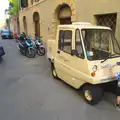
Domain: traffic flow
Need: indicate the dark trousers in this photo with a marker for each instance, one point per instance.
(118, 90)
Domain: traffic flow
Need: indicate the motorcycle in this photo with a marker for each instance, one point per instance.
(26, 48)
(40, 49)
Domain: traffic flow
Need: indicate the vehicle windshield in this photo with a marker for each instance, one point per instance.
(99, 43)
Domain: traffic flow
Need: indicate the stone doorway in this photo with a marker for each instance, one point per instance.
(64, 14)
(36, 19)
(65, 21)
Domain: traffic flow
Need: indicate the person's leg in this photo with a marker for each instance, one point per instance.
(118, 97)
(118, 93)
(118, 100)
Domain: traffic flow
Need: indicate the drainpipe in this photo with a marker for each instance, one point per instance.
(18, 22)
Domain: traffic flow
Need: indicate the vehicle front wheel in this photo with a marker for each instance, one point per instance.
(92, 94)
(31, 53)
(54, 74)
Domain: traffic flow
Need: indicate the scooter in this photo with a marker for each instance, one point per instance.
(39, 47)
(26, 48)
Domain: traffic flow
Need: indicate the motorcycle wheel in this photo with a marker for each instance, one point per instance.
(31, 54)
(41, 51)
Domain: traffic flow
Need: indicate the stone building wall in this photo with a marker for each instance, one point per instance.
(81, 10)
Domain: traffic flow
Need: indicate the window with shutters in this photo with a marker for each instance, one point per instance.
(24, 3)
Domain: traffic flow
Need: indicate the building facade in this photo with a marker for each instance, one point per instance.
(41, 17)
(14, 25)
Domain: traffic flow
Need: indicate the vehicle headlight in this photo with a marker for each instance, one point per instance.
(94, 68)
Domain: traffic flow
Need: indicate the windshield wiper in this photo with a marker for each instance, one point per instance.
(111, 56)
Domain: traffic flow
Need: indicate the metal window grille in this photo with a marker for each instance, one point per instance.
(108, 20)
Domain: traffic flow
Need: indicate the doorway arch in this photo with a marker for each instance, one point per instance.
(64, 14)
(25, 24)
(36, 19)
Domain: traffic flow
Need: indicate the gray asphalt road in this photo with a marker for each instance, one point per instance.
(28, 92)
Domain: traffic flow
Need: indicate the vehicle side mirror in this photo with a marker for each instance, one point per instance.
(74, 52)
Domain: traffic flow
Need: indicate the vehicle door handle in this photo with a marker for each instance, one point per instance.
(58, 52)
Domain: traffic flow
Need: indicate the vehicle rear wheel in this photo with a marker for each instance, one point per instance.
(54, 74)
(41, 51)
(92, 94)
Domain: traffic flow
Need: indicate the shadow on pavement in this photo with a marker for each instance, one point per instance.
(1, 60)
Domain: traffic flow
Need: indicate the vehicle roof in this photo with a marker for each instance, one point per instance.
(83, 26)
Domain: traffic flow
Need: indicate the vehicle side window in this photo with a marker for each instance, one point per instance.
(61, 40)
(65, 41)
(78, 44)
